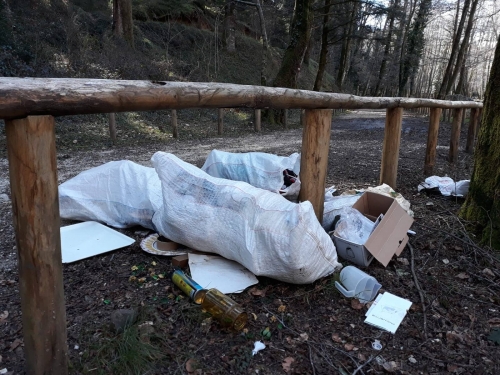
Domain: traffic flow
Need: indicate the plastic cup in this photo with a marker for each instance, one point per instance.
(356, 283)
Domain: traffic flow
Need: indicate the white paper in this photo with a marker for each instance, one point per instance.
(213, 271)
(83, 240)
(387, 312)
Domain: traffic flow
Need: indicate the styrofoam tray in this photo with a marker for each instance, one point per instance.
(83, 240)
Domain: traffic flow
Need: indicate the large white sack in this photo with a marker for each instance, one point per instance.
(263, 231)
(119, 193)
(259, 169)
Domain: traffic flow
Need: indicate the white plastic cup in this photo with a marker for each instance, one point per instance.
(356, 283)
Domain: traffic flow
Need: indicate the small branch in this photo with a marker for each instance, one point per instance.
(420, 292)
(311, 359)
(448, 361)
(360, 367)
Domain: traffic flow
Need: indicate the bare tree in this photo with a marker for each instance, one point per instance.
(123, 25)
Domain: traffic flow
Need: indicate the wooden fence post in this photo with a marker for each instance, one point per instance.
(35, 204)
(432, 139)
(472, 131)
(112, 127)
(175, 132)
(455, 135)
(314, 158)
(257, 120)
(220, 120)
(390, 152)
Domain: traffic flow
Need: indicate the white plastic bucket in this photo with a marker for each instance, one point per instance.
(356, 283)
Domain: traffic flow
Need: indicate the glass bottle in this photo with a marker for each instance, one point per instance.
(227, 311)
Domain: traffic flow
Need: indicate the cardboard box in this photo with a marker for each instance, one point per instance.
(388, 238)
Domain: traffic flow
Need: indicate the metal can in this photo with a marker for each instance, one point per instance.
(189, 286)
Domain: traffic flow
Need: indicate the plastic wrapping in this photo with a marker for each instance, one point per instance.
(119, 193)
(333, 207)
(353, 226)
(264, 232)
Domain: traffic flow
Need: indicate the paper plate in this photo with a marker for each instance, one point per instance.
(151, 245)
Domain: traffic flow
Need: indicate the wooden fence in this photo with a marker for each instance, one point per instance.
(29, 105)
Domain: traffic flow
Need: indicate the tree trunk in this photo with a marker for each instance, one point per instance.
(454, 51)
(482, 205)
(229, 26)
(294, 54)
(463, 48)
(265, 43)
(346, 46)
(324, 48)
(415, 46)
(123, 25)
(387, 49)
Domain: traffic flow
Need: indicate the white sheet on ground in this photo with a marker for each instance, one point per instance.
(263, 231)
(214, 271)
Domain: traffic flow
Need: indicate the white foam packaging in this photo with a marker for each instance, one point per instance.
(119, 193)
(259, 169)
(263, 231)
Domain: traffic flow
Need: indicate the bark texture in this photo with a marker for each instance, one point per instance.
(483, 201)
(294, 54)
(123, 25)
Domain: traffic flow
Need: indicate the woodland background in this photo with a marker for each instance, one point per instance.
(419, 48)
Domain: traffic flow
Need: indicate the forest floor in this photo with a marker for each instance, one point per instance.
(313, 328)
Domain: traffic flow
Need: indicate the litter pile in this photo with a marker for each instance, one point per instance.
(238, 217)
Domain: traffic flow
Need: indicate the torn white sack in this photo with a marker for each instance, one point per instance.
(259, 169)
(263, 231)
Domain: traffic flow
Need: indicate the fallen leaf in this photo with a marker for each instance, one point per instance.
(493, 322)
(257, 292)
(446, 261)
(349, 347)
(287, 364)
(403, 261)
(15, 344)
(304, 336)
(488, 272)
(355, 304)
(462, 276)
(452, 368)
(453, 337)
(191, 365)
(390, 366)
(254, 316)
(153, 263)
(4, 316)
(336, 337)
(282, 308)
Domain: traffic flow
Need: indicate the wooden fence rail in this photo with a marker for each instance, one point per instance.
(29, 105)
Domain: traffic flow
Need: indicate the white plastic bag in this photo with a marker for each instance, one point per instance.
(259, 169)
(260, 230)
(353, 226)
(119, 193)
